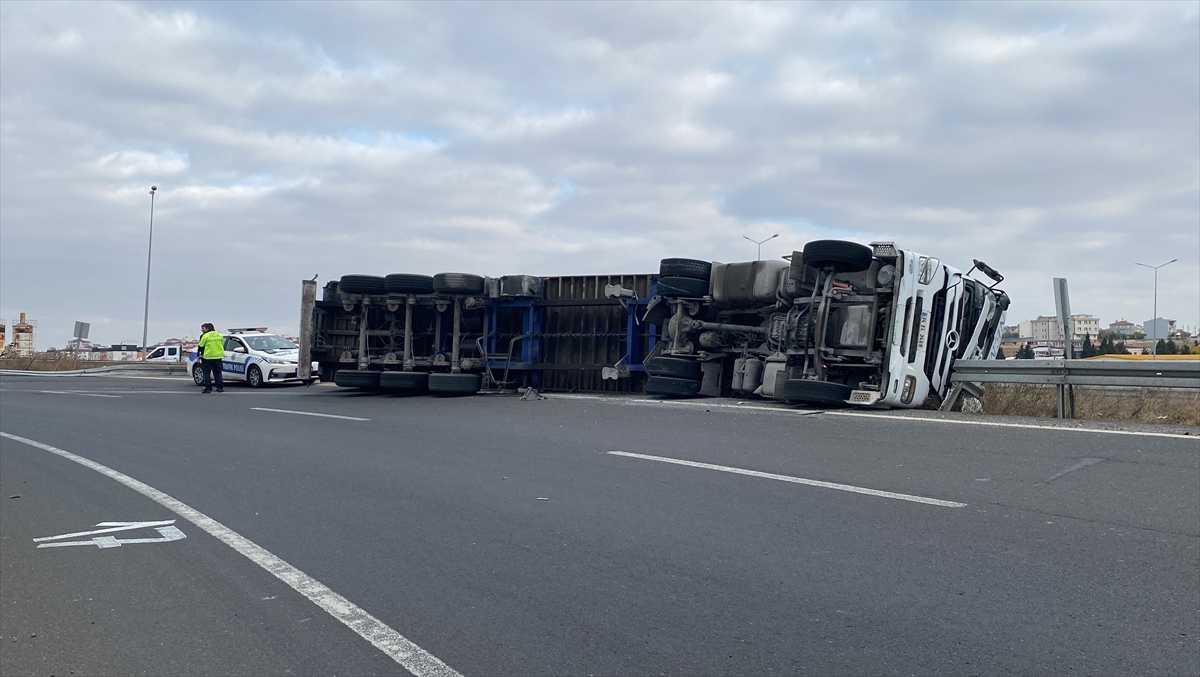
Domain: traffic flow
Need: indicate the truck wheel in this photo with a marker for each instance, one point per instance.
(198, 374)
(677, 367)
(672, 387)
(413, 381)
(457, 283)
(362, 284)
(682, 286)
(813, 392)
(842, 256)
(254, 376)
(408, 283)
(349, 378)
(454, 384)
(697, 270)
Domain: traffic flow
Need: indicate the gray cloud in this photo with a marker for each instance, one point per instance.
(287, 140)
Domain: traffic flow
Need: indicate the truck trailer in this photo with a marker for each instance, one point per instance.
(836, 324)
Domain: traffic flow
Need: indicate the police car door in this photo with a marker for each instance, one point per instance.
(236, 356)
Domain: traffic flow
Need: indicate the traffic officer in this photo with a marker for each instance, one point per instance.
(212, 352)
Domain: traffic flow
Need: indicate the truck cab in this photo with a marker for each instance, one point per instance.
(166, 354)
(838, 323)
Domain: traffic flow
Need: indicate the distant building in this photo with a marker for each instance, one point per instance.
(1158, 328)
(1123, 327)
(23, 344)
(1047, 328)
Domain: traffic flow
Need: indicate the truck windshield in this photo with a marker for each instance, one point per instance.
(267, 344)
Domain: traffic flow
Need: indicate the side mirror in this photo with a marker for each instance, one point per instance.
(240, 349)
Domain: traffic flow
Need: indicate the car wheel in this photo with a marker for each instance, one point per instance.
(842, 256)
(408, 283)
(198, 374)
(682, 286)
(254, 376)
(676, 367)
(457, 283)
(362, 284)
(697, 270)
(672, 387)
(413, 381)
(454, 384)
(350, 378)
(813, 392)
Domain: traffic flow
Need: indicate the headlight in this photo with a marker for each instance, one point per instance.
(274, 360)
(886, 276)
(910, 384)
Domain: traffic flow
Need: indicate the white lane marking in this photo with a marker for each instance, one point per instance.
(795, 480)
(71, 392)
(111, 527)
(809, 412)
(167, 534)
(411, 657)
(925, 419)
(310, 413)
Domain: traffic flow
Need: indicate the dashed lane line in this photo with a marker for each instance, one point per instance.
(795, 480)
(310, 413)
(411, 657)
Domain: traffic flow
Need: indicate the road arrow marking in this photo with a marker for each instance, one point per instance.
(167, 532)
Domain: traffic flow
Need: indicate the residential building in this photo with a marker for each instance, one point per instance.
(1047, 328)
(1124, 327)
(1158, 328)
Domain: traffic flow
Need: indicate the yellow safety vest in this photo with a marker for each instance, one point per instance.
(211, 345)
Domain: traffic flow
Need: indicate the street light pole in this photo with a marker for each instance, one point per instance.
(1154, 319)
(760, 243)
(149, 252)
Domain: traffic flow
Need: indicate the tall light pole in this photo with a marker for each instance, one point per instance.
(1154, 319)
(149, 252)
(760, 243)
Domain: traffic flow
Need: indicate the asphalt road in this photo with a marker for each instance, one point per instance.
(503, 538)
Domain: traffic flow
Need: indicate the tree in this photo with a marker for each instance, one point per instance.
(1000, 353)
(1025, 352)
(1088, 348)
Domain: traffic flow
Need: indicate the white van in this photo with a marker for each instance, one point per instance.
(166, 354)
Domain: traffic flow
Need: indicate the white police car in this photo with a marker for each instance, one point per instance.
(254, 356)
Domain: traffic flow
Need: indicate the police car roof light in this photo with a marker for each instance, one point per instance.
(243, 330)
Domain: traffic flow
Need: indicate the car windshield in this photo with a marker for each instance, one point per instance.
(269, 344)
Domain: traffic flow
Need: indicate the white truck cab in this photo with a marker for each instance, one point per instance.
(165, 354)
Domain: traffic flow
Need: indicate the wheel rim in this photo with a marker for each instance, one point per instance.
(255, 377)
(198, 375)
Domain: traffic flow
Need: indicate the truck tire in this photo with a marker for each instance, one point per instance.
(682, 286)
(695, 269)
(350, 378)
(408, 283)
(813, 392)
(457, 283)
(842, 256)
(362, 284)
(454, 384)
(413, 381)
(675, 367)
(672, 387)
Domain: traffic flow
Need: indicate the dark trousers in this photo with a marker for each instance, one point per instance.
(213, 367)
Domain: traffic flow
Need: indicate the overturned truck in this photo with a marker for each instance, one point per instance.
(837, 323)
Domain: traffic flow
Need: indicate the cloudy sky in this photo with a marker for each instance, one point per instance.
(1049, 140)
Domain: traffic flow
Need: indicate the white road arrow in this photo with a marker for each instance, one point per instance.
(164, 528)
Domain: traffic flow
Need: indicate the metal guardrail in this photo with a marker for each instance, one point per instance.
(1067, 373)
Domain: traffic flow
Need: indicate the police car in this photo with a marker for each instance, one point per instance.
(254, 356)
